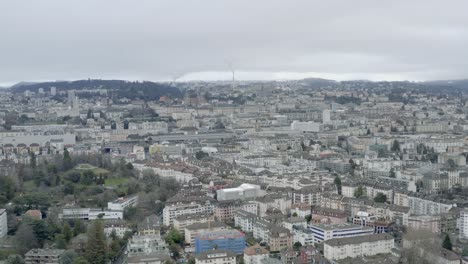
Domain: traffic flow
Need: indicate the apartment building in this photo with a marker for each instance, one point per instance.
(352, 247)
(43, 256)
(245, 220)
(217, 256)
(186, 206)
(123, 202)
(183, 221)
(255, 254)
(324, 232)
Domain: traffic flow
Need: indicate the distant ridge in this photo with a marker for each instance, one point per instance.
(129, 89)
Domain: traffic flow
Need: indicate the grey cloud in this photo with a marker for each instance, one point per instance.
(154, 40)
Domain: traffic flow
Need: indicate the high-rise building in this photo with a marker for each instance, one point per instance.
(53, 91)
(463, 224)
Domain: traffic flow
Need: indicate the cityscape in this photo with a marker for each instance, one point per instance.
(226, 169)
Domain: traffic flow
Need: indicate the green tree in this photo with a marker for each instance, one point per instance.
(380, 198)
(14, 259)
(60, 241)
(447, 243)
(294, 214)
(392, 173)
(78, 227)
(67, 161)
(359, 192)
(338, 184)
(88, 177)
(395, 146)
(96, 248)
(174, 237)
(67, 232)
(68, 257)
(33, 160)
(80, 260)
(308, 218)
(451, 163)
(297, 246)
(25, 239)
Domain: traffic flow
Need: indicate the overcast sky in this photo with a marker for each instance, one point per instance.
(260, 39)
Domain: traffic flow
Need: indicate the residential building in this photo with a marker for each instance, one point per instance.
(123, 202)
(324, 232)
(232, 240)
(43, 256)
(217, 256)
(255, 254)
(352, 247)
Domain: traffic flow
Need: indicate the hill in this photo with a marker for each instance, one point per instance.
(132, 90)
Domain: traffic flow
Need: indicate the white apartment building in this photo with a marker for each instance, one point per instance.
(324, 232)
(255, 254)
(217, 256)
(174, 210)
(462, 224)
(244, 191)
(90, 214)
(428, 206)
(123, 202)
(3, 223)
(245, 220)
(353, 247)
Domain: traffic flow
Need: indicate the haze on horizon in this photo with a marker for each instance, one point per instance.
(204, 40)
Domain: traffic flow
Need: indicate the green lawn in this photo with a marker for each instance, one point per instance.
(85, 167)
(115, 182)
(29, 186)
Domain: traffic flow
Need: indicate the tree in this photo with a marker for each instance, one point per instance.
(297, 246)
(380, 198)
(447, 243)
(338, 184)
(33, 160)
(392, 173)
(67, 232)
(359, 192)
(308, 218)
(68, 257)
(381, 129)
(80, 260)
(25, 239)
(14, 259)
(96, 248)
(174, 237)
(78, 227)
(88, 177)
(395, 146)
(60, 241)
(294, 214)
(200, 155)
(451, 163)
(67, 161)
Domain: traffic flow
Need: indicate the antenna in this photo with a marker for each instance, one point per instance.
(231, 68)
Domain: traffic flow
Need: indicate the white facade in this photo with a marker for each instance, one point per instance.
(421, 206)
(90, 214)
(463, 224)
(323, 232)
(370, 245)
(3, 223)
(305, 126)
(123, 202)
(170, 212)
(244, 191)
